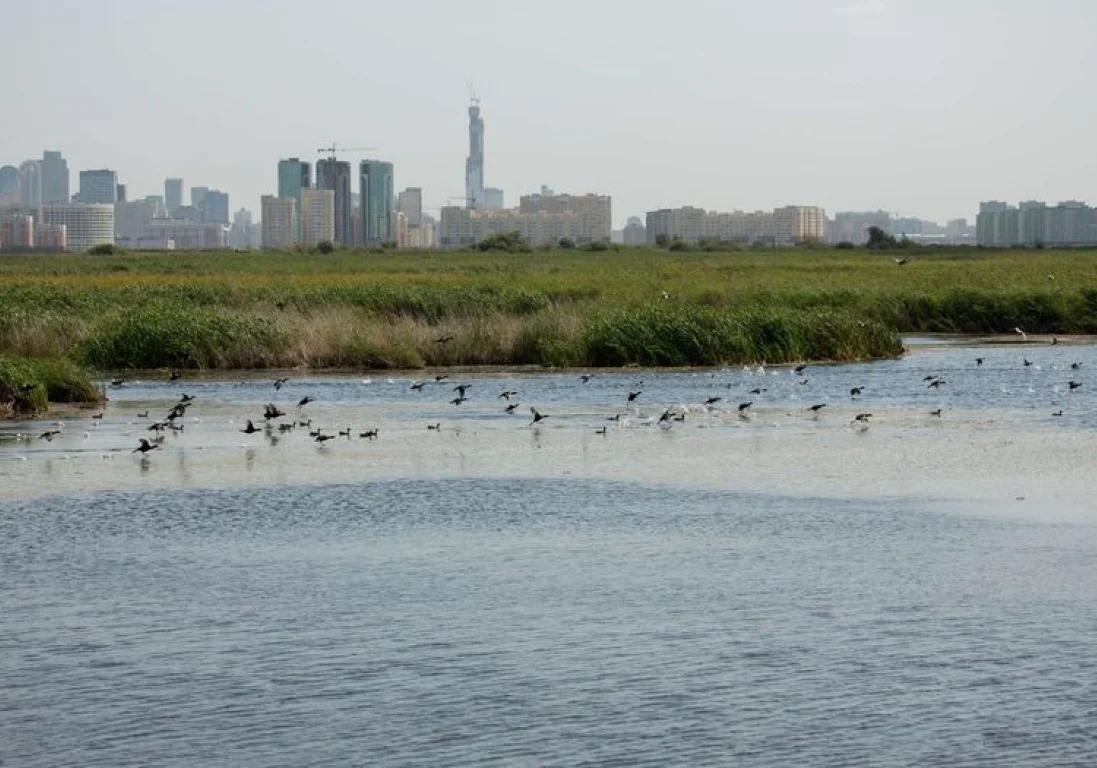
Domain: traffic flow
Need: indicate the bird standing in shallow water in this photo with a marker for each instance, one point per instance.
(936, 413)
(978, 361)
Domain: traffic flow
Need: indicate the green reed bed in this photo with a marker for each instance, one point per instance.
(28, 385)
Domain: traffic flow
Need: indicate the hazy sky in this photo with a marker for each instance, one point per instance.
(921, 107)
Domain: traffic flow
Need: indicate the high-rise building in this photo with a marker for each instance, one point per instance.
(1032, 223)
(215, 207)
(317, 216)
(781, 227)
(410, 203)
(131, 219)
(241, 234)
(474, 164)
(278, 217)
(376, 188)
(55, 179)
(173, 195)
(335, 175)
(293, 176)
(635, 233)
(99, 186)
(493, 199)
(30, 182)
(120, 196)
(87, 224)
(198, 197)
(9, 186)
(595, 210)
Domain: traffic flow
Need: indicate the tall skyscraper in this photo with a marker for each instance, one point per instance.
(198, 197)
(99, 186)
(30, 182)
(410, 203)
(376, 190)
(293, 176)
(215, 208)
(173, 195)
(120, 197)
(9, 186)
(55, 178)
(474, 164)
(335, 175)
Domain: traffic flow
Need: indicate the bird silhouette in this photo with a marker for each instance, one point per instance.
(1058, 412)
(799, 369)
(144, 415)
(758, 390)
(1074, 385)
(507, 394)
(443, 340)
(458, 400)
(713, 400)
(903, 261)
(936, 384)
(417, 386)
(186, 399)
(863, 417)
(978, 361)
(271, 411)
(936, 413)
(435, 427)
(856, 391)
(817, 407)
(369, 434)
(461, 388)
(117, 382)
(633, 395)
(600, 431)
(1075, 366)
(344, 432)
(511, 407)
(305, 401)
(279, 383)
(537, 415)
(1026, 362)
(49, 435)
(145, 447)
(322, 438)
(250, 429)
(586, 377)
(440, 377)
(744, 407)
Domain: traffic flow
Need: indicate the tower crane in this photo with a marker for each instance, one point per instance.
(335, 148)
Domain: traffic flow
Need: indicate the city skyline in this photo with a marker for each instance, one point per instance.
(911, 107)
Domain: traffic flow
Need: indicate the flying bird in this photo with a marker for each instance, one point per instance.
(271, 411)
(458, 400)
(586, 377)
(250, 429)
(507, 394)
(49, 435)
(633, 395)
(1019, 332)
(417, 386)
(460, 390)
(1074, 385)
(443, 340)
(799, 369)
(1026, 362)
(511, 407)
(145, 447)
(818, 407)
(713, 400)
(279, 383)
(855, 392)
(744, 407)
(537, 416)
(305, 401)
(440, 377)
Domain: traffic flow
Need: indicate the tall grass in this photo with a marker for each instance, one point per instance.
(27, 385)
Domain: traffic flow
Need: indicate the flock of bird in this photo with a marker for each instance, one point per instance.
(274, 421)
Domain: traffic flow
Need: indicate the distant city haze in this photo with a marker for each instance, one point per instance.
(919, 107)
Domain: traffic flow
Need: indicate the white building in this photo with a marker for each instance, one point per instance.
(131, 219)
(410, 203)
(634, 233)
(278, 214)
(317, 216)
(463, 227)
(188, 235)
(86, 224)
(787, 226)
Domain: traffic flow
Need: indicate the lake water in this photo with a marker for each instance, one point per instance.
(783, 589)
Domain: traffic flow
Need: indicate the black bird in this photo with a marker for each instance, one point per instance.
(936, 384)
(856, 391)
(758, 390)
(508, 394)
(1058, 412)
(305, 423)
(158, 426)
(435, 427)
(345, 433)
(271, 411)
(744, 407)
(1026, 361)
(458, 400)
(936, 413)
(440, 377)
(601, 431)
(305, 401)
(633, 395)
(49, 435)
(460, 390)
(443, 340)
(799, 369)
(668, 414)
(818, 407)
(97, 416)
(978, 361)
(175, 375)
(144, 415)
(279, 383)
(117, 382)
(369, 434)
(713, 400)
(185, 399)
(511, 407)
(145, 447)
(321, 439)
(615, 417)
(286, 427)
(316, 432)
(863, 417)
(1074, 385)
(417, 386)
(1075, 366)
(1054, 340)
(537, 416)
(931, 377)
(178, 412)
(586, 377)
(251, 429)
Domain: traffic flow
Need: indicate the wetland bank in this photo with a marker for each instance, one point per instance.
(560, 308)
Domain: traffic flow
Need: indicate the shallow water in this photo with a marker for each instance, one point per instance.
(773, 591)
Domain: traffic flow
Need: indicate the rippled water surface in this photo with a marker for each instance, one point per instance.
(777, 590)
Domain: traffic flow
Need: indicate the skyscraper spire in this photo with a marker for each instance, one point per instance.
(474, 165)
